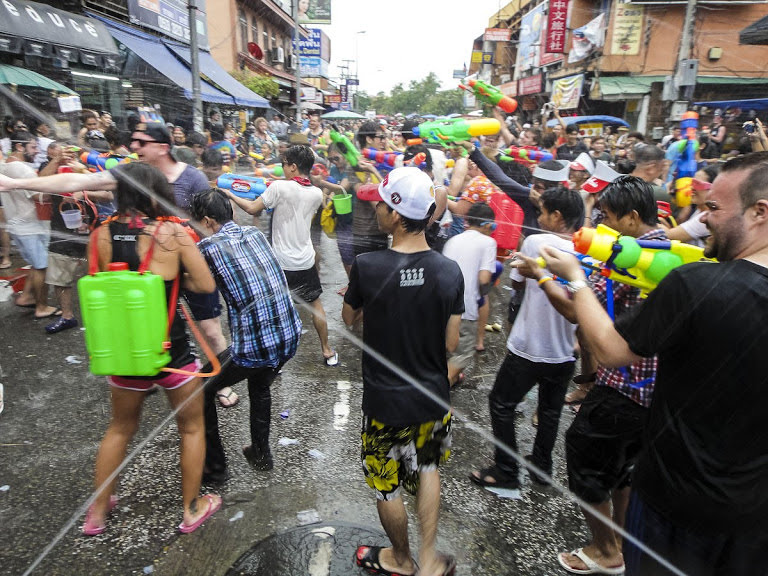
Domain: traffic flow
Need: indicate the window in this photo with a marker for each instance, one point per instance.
(254, 31)
(243, 31)
(265, 43)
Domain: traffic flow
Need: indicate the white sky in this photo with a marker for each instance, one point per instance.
(405, 40)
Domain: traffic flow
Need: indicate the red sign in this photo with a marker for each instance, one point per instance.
(509, 89)
(332, 98)
(529, 85)
(556, 26)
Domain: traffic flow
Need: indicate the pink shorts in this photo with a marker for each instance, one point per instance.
(168, 380)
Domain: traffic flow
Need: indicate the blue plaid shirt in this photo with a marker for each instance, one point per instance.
(265, 326)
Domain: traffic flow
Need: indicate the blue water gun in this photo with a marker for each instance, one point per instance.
(248, 187)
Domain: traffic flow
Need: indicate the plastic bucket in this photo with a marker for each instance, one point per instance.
(73, 219)
(342, 203)
(44, 210)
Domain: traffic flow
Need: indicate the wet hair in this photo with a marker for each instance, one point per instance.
(625, 166)
(412, 151)
(212, 203)
(711, 170)
(212, 158)
(415, 226)
(195, 138)
(480, 213)
(112, 135)
(184, 154)
(548, 140)
(217, 132)
(87, 115)
(648, 153)
(139, 187)
(637, 136)
(367, 128)
(571, 129)
(567, 202)
(21, 137)
(755, 186)
(517, 172)
(302, 156)
(628, 193)
(536, 136)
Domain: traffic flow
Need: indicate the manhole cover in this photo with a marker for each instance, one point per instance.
(322, 549)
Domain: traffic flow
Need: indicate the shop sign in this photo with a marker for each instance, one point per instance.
(529, 85)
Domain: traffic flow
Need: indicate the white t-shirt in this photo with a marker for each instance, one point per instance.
(294, 206)
(473, 252)
(540, 333)
(19, 205)
(696, 229)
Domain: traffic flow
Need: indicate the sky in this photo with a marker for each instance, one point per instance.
(405, 40)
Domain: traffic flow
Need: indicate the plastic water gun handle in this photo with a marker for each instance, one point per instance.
(446, 132)
(491, 95)
(249, 187)
(383, 157)
(346, 148)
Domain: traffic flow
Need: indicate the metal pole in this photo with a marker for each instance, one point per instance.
(295, 14)
(194, 62)
(685, 42)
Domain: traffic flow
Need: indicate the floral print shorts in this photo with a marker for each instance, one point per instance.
(393, 456)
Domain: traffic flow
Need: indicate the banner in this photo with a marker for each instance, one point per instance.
(627, 29)
(586, 39)
(313, 67)
(529, 47)
(317, 44)
(556, 26)
(171, 17)
(497, 35)
(566, 92)
(530, 85)
(314, 11)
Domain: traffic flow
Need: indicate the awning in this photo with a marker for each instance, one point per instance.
(40, 30)
(24, 77)
(615, 88)
(755, 33)
(732, 80)
(600, 118)
(154, 53)
(752, 104)
(216, 74)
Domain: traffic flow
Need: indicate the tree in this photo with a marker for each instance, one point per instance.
(421, 96)
(262, 85)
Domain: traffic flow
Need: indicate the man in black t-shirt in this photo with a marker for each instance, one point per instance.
(700, 489)
(412, 299)
(573, 146)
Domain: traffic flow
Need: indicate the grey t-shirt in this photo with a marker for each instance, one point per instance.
(190, 182)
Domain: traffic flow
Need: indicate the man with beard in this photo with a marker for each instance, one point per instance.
(700, 487)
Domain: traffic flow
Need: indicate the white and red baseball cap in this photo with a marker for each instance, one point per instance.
(407, 190)
(583, 162)
(602, 176)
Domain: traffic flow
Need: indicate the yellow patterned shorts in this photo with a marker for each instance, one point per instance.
(393, 456)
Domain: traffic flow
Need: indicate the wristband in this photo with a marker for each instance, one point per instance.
(544, 279)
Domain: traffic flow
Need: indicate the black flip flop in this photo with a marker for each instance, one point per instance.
(368, 557)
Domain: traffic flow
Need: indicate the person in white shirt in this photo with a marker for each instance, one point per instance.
(295, 201)
(539, 351)
(475, 252)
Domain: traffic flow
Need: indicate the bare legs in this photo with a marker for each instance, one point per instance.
(126, 410)
(321, 325)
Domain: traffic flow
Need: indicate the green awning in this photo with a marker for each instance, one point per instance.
(22, 77)
(730, 80)
(621, 87)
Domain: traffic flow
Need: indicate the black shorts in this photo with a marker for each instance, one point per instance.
(304, 284)
(203, 306)
(603, 443)
(365, 244)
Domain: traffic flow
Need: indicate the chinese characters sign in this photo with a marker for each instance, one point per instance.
(556, 26)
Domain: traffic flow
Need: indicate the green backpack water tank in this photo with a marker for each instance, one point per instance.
(125, 315)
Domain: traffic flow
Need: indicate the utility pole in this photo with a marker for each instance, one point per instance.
(296, 37)
(685, 43)
(194, 63)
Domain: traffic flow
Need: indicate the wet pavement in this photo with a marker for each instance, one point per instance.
(56, 413)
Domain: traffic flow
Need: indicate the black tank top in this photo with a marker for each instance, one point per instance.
(125, 249)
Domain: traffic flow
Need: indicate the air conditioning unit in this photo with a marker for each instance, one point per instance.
(278, 55)
(293, 63)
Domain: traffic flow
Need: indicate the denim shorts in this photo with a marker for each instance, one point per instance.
(33, 249)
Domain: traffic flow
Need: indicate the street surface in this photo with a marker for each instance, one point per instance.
(56, 413)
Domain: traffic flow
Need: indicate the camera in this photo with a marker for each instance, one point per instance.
(749, 127)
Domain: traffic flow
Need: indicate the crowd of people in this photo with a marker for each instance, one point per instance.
(665, 443)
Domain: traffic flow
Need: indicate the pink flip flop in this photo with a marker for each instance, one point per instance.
(213, 506)
(90, 528)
